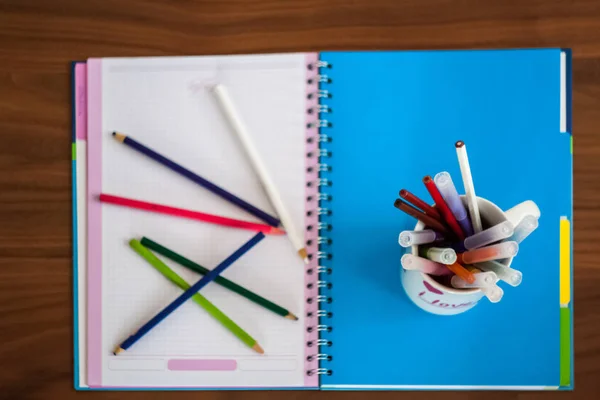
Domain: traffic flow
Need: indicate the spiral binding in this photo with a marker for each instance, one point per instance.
(320, 320)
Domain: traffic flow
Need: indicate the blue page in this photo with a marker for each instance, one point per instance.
(395, 118)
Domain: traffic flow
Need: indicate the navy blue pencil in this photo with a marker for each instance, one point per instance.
(197, 179)
(206, 279)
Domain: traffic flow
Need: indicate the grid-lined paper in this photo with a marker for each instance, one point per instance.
(164, 104)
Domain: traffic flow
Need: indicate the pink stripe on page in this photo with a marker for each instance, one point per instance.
(202, 365)
(312, 203)
(81, 101)
(94, 188)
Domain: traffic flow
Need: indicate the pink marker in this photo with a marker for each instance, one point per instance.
(411, 262)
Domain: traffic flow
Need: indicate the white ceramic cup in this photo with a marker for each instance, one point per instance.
(436, 298)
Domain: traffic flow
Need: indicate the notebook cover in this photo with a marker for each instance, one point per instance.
(395, 118)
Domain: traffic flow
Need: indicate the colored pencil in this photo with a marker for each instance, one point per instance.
(241, 131)
(263, 216)
(417, 202)
(428, 220)
(234, 287)
(195, 215)
(158, 318)
(198, 298)
(465, 171)
(441, 205)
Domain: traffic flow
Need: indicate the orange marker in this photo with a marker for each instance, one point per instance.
(493, 252)
(462, 272)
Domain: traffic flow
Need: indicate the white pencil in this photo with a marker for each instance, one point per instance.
(243, 135)
(465, 171)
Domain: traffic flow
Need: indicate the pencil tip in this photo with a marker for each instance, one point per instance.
(277, 231)
(258, 349)
(119, 136)
(303, 254)
(118, 350)
(292, 317)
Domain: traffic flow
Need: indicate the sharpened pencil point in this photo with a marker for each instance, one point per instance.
(258, 349)
(277, 231)
(119, 136)
(118, 350)
(303, 254)
(292, 317)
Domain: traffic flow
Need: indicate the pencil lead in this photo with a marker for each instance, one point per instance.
(118, 350)
(292, 317)
(119, 136)
(304, 255)
(258, 349)
(277, 231)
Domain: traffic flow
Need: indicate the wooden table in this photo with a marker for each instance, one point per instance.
(38, 39)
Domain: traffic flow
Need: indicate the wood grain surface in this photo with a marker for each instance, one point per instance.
(38, 39)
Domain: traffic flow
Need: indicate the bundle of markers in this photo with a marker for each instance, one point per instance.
(453, 246)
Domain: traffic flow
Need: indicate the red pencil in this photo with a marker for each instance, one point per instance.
(428, 220)
(199, 216)
(417, 202)
(441, 205)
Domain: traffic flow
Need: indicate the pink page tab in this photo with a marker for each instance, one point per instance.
(94, 188)
(81, 101)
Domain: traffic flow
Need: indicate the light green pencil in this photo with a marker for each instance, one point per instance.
(198, 298)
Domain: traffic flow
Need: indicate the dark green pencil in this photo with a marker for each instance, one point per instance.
(202, 301)
(269, 305)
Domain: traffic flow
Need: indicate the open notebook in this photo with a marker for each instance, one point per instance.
(341, 133)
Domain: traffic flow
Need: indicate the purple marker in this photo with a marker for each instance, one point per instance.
(412, 238)
(443, 181)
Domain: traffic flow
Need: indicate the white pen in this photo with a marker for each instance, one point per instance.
(243, 135)
(465, 171)
(504, 273)
(484, 281)
(438, 254)
(493, 234)
(412, 238)
(528, 224)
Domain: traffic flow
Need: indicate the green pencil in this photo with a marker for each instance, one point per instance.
(198, 298)
(269, 305)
